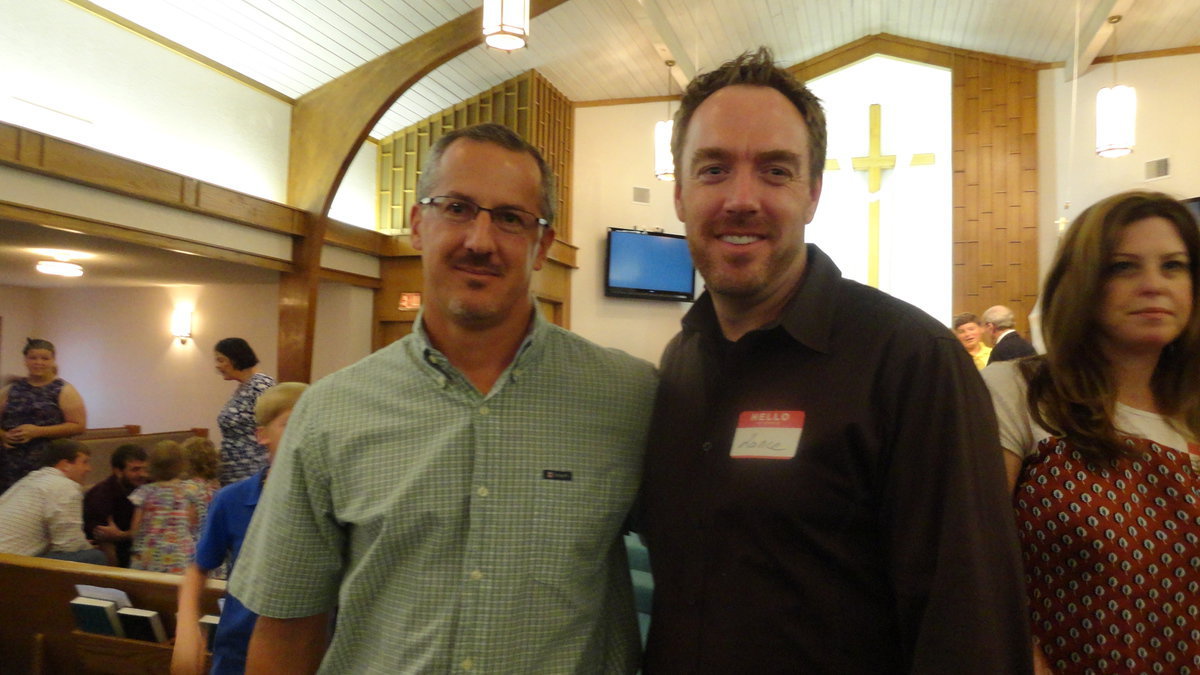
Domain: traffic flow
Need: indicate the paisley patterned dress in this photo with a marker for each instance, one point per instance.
(28, 404)
(241, 455)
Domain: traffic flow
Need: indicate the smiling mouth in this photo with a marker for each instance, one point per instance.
(740, 239)
(478, 271)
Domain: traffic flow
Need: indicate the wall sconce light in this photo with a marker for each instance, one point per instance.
(181, 323)
(505, 23)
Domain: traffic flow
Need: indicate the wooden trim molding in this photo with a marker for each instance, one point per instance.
(118, 232)
(49, 156)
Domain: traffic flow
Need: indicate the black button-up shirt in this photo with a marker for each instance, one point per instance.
(885, 544)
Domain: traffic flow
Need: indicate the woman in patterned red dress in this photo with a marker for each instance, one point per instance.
(1100, 444)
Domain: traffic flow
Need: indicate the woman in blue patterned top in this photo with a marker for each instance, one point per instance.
(241, 454)
(34, 411)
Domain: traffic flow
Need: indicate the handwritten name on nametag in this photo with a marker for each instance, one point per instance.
(767, 434)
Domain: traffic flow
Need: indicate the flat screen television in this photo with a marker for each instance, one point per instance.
(653, 265)
(1193, 205)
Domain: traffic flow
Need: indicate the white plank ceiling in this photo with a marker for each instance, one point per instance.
(614, 49)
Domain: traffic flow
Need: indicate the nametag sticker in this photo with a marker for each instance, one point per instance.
(767, 434)
(551, 474)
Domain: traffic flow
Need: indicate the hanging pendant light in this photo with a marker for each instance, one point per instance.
(505, 23)
(664, 163)
(1116, 112)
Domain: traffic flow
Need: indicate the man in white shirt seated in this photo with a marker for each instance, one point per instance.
(42, 514)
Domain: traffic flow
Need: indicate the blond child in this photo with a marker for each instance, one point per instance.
(224, 530)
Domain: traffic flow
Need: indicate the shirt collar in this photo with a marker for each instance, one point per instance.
(808, 316)
(259, 483)
(440, 367)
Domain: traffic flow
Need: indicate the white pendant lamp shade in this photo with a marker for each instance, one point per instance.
(505, 23)
(1116, 110)
(1116, 119)
(664, 163)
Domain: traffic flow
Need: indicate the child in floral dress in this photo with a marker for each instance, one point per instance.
(167, 514)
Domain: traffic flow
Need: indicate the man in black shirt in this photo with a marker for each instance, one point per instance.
(823, 490)
(107, 511)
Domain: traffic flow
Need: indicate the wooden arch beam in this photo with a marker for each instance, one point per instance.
(330, 122)
(328, 126)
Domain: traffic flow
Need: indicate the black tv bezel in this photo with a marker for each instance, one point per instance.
(642, 293)
(1192, 204)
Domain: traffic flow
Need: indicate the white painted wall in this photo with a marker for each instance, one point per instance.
(118, 92)
(343, 332)
(1168, 91)
(18, 316)
(357, 199)
(114, 345)
(69, 73)
(611, 158)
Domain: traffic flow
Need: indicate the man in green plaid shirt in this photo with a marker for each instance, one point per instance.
(458, 496)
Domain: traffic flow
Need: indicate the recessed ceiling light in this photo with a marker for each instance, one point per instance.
(59, 268)
(62, 254)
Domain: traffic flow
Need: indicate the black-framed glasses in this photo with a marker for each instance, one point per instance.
(462, 211)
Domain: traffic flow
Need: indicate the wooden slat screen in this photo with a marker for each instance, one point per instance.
(528, 104)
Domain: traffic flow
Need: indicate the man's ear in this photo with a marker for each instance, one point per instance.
(544, 243)
(414, 224)
(678, 199)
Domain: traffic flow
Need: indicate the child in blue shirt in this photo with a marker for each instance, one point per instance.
(224, 529)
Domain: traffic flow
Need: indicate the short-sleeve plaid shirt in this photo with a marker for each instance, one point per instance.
(455, 531)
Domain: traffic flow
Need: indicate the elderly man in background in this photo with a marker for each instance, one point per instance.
(107, 511)
(42, 514)
(1007, 343)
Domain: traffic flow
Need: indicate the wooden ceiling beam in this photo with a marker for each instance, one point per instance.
(1094, 32)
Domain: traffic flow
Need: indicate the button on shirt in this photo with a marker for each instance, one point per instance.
(457, 531)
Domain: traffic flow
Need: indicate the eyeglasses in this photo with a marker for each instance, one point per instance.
(462, 211)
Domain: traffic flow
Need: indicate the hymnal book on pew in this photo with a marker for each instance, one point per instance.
(142, 624)
(101, 593)
(97, 616)
(208, 625)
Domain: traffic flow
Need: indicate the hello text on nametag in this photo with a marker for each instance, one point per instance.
(767, 434)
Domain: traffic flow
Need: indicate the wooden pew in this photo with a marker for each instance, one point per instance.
(38, 634)
(109, 432)
(102, 447)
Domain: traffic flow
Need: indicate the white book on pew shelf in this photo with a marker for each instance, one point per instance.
(101, 593)
(208, 626)
(142, 624)
(97, 616)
